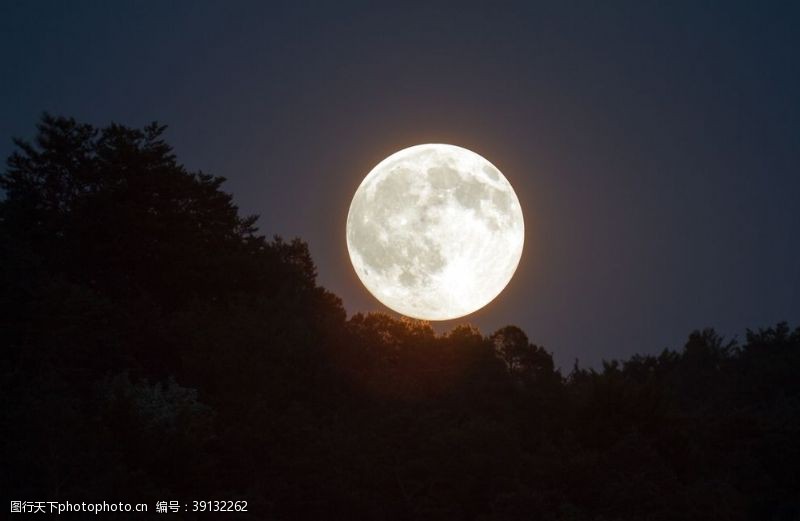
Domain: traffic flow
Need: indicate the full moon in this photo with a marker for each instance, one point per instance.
(435, 232)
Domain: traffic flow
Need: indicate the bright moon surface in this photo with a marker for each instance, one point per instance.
(435, 232)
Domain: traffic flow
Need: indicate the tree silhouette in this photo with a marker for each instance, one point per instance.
(520, 356)
(156, 347)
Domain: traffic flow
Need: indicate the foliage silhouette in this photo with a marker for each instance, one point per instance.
(155, 347)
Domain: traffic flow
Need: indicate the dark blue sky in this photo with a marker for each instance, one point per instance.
(655, 146)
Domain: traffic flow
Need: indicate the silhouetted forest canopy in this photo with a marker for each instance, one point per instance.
(156, 347)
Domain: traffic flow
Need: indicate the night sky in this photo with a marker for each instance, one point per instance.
(654, 146)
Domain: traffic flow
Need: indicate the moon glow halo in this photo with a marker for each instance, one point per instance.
(435, 232)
